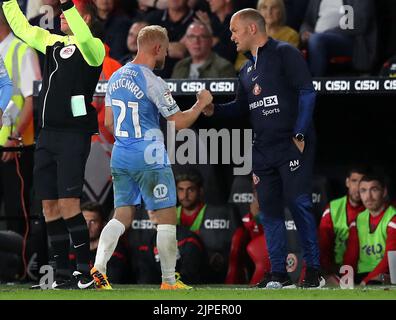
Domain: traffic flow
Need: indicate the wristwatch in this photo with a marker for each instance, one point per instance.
(299, 137)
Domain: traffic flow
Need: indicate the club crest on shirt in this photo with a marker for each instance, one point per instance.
(256, 89)
(67, 52)
(168, 98)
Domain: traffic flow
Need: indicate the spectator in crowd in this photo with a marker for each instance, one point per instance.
(117, 266)
(274, 15)
(136, 10)
(373, 233)
(326, 34)
(203, 62)
(115, 27)
(49, 20)
(22, 65)
(219, 23)
(176, 18)
(214, 224)
(198, 5)
(335, 222)
(152, 4)
(132, 40)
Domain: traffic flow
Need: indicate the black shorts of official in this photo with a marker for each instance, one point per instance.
(59, 164)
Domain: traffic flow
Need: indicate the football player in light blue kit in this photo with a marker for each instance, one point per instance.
(135, 99)
(5, 88)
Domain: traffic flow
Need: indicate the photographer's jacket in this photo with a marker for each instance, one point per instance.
(71, 71)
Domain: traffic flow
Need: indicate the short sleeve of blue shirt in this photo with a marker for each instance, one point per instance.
(158, 92)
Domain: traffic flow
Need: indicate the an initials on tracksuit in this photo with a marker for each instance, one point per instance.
(294, 165)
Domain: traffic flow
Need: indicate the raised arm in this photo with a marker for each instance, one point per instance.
(91, 48)
(35, 37)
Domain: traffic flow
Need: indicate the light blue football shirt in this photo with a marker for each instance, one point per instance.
(5, 86)
(137, 98)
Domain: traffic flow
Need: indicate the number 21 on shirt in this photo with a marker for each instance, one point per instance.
(121, 117)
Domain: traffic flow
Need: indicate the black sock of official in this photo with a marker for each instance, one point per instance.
(60, 242)
(80, 237)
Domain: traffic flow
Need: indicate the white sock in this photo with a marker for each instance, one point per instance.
(107, 243)
(167, 248)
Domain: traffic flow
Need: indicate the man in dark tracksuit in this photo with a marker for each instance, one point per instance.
(276, 89)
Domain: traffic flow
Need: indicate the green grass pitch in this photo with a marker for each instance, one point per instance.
(215, 292)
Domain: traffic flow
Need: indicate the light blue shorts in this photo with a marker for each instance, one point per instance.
(155, 186)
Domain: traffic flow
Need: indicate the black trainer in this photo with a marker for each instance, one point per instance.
(313, 279)
(263, 283)
(276, 281)
(77, 281)
(81, 281)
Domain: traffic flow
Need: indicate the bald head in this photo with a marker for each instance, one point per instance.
(247, 28)
(150, 36)
(251, 16)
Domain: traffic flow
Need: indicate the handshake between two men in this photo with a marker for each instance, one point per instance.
(205, 99)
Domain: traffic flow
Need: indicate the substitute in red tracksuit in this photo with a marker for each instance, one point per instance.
(373, 233)
(335, 222)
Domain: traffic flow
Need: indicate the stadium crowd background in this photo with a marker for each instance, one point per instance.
(352, 129)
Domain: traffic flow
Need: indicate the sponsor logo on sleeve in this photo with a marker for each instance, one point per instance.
(168, 98)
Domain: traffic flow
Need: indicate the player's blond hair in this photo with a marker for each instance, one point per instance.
(151, 35)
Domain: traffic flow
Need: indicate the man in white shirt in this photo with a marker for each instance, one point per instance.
(325, 37)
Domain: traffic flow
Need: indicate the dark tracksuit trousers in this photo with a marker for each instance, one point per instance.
(285, 177)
